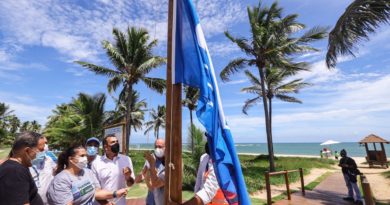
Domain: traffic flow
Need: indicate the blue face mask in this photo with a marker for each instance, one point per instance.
(92, 151)
(39, 159)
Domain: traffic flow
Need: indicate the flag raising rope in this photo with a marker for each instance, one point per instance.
(191, 65)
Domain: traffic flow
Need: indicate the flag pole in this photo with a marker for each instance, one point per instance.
(173, 128)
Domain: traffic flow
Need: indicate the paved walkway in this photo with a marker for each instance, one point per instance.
(329, 192)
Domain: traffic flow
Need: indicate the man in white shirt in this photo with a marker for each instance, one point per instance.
(206, 186)
(154, 174)
(42, 169)
(113, 170)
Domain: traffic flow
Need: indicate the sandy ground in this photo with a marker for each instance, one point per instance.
(379, 184)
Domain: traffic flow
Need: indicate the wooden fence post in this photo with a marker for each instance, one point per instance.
(268, 188)
(287, 185)
(302, 181)
(366, 190)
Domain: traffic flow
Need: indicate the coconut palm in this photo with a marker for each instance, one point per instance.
(4, 111)
(158, 120)
(35, 126)
(14, 123)
(191, 102)
(361, 18)
(277, 87)
(131, 55)
(274, 41)
(76, 121)
(137, 112)
(92, 110)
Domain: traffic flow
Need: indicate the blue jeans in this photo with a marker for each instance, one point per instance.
(352, 187)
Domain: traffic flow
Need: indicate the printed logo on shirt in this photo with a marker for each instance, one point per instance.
(82, 188)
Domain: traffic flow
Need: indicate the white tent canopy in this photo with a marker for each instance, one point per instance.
(329, 142)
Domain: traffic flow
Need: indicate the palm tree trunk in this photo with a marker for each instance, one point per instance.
(128, 117)
(260, 67)
(157, 132)
(192, 133)
(270, 126)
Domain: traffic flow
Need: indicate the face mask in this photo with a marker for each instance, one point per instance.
(92, 151)
(31, 159)
(115, 148)
(46, 148)
(82, 162)
(159, 152)
(39, 159)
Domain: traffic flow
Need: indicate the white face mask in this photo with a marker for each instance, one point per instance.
(159, 152)
(46, 148)
(82, 162)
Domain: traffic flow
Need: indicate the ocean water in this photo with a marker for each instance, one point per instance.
(353, 149)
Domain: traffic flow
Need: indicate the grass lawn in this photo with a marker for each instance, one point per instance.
(4, 151)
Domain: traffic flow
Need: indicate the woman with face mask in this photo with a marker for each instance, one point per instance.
(75, 184)
(16, 184)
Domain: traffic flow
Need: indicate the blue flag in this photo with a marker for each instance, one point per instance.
(192, 66)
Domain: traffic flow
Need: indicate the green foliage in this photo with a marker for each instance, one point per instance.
(361, 18)
(193, 159)
(131, 55)
(9, 125)
(76, 121)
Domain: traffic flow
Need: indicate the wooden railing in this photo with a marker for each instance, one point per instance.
(366, 190)
(285, 173)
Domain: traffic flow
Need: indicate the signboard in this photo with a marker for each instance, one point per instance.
(119, 131)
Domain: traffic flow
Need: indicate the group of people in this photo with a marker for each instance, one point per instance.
(33, 175)
(326, 153)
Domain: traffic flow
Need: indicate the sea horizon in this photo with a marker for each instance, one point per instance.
(354, 149)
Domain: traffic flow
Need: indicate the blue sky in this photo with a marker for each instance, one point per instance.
(40, 39)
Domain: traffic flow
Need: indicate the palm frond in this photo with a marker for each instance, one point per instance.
(360, 18)
(250, 103)
(233, 67)
(287, 98)
(156, 84)
(100, 70)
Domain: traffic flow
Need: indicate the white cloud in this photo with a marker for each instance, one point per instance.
(25, 107)
(222, 49)
(235, 82)
(76, 30)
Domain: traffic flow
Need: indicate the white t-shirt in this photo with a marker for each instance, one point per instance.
(206, 186)
(110, 175)
(43, 175)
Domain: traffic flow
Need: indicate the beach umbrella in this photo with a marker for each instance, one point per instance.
(329, 142)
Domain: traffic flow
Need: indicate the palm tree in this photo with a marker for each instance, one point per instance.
(361, 18)
(191, 102)
(274, 42)
(277, 87)
(137, 112)
(35, 126)
(4, 111)
(158, 120)
(14, 123)
(92, 110)
(132, 58)
(25, 126)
